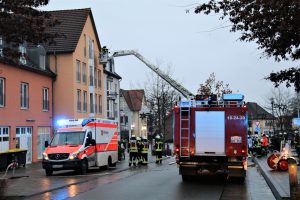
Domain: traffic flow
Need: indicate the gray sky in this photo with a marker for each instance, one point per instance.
(163, 32)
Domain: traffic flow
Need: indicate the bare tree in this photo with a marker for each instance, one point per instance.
(281, 104)
(160, 97)
(211, 86)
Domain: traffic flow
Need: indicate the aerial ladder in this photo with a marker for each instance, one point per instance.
(182, 90)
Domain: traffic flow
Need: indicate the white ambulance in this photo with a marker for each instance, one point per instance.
(82, 143)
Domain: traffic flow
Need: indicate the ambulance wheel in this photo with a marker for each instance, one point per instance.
(49, 172)
(283, 165)
(109, 162)
(83, 167)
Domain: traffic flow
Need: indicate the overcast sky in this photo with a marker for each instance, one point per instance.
(194, 45)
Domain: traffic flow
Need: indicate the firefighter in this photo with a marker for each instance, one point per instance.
(264, 144)
(145, 145)
(133, 151)
(139, 147)
(158, 149)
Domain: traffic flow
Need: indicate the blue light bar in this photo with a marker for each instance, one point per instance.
(233, 97)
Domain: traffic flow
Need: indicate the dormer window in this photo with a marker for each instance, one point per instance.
(22, 50)
(43, 61)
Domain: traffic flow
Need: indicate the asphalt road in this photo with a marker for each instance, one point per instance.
(162, 182)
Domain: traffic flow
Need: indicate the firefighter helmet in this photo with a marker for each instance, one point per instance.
(157, 137)
(138, 138)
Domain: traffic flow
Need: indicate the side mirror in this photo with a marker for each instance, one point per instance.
(93, 142)
(46, 144)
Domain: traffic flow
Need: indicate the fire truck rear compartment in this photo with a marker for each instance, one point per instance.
(212, 165)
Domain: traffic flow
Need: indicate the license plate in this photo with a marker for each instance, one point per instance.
(236, 139)
(57, 166)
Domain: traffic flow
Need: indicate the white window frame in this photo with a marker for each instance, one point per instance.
(2, 92)
(22, 50)
(24, 103)
(4, 133)
(45, 99)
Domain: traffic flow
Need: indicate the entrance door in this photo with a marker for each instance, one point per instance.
(43, 135)
(24, 141)
(4, 138)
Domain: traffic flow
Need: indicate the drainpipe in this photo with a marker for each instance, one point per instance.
(53, 113)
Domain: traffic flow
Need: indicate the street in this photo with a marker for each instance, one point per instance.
(160, 182)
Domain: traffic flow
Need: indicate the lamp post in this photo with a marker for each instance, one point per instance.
(272, 103)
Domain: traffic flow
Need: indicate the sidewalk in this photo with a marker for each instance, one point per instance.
(278, 181)
(31, 180)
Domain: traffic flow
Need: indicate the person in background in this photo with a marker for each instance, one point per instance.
(250, 146)
(145, 147)
(133, 151)
(158, 149)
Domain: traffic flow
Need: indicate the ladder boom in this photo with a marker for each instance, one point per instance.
(186, 93)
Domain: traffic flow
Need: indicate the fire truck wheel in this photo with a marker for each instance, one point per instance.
(83, 167)
(49, 172)
(282, 165)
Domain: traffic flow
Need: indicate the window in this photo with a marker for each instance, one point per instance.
(45, 99)
(22, 50)
(95, 78)
(96, 108)
(84, 73)
(78, 72)
(1, 46)
(2, 92)
(100, 104)
(42, 61)
(24, 95)
(4, 138)
(91, 49)
(84, 48)
(84, 101)
(91, 103)
(91, 76)
(78, 100)
(99, 78)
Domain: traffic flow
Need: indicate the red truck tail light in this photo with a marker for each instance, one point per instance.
(244, 150)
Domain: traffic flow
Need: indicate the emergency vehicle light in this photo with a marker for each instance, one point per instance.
(233, 97)
(86, 121)
(61, 122)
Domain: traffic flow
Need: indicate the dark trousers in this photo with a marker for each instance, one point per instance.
(145, 158)
(133, 158)
(158, 156)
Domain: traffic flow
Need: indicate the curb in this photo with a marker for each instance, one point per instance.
(67, 185)
(269, 182)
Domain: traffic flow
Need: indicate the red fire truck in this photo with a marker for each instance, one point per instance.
(210, 135)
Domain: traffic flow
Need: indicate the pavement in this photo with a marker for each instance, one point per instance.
(34, 176)
(278, 181)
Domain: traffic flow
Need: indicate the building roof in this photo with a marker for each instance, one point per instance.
(71, 25)
(134, 99)
(115, 75)
(257, 112)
